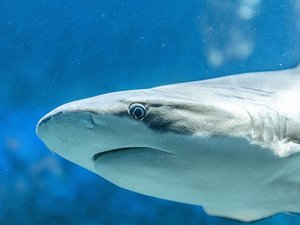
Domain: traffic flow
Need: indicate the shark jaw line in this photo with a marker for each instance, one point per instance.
(118, 150)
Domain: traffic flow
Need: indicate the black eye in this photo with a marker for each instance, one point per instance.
(137, 111)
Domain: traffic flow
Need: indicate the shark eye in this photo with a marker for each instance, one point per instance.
(137, 111)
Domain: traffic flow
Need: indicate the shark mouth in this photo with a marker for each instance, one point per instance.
(115, 151)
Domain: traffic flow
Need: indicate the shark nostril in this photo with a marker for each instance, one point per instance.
(46, 119)
(89, 123)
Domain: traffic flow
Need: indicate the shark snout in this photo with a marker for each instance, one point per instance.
(64, 126)
(67, 114)
(48, 117)
(86, 119)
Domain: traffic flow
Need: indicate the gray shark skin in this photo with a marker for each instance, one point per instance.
(230, 144)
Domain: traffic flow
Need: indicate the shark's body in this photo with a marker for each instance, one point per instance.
(229, 144)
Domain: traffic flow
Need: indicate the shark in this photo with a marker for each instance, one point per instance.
(230, 144)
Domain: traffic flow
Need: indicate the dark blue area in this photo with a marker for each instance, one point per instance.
(52, 52)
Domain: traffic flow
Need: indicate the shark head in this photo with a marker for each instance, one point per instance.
(126, 137)
(143, 140)
(214, 143)
(157, 142)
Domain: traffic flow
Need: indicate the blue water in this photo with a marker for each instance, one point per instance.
(52, 52)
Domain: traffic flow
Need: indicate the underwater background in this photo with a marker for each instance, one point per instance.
(52, 52)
